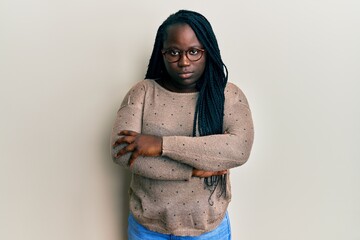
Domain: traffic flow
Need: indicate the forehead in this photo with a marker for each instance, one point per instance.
(180, 36)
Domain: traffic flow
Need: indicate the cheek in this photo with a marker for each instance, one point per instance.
(170, 67)
(167, 67)
(202, 62)
(201, 66)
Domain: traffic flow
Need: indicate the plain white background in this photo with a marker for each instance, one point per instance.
(66, 65)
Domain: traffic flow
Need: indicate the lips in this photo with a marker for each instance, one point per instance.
(185, 75)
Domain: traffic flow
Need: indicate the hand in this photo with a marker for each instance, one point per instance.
(139, 145)
(203, 174)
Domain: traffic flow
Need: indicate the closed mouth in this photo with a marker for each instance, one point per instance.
(185, 74)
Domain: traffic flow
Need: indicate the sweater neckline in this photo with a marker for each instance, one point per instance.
(171, 92)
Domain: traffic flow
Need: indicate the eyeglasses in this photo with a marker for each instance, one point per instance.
(173, 55)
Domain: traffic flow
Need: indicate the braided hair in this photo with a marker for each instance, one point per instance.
(209, 111)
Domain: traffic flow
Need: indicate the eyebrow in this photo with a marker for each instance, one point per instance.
(175, 47)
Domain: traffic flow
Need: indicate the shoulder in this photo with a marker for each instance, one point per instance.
(143, 85)
(135, 96)
(233, 94)
(141, 88)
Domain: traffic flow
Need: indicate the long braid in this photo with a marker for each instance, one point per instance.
(209, 111)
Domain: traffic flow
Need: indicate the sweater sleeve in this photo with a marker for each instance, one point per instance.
(129, 117)
(222, 151)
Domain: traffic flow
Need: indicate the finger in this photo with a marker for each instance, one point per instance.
(196, 173)
(205, 174)
(201, 173)
(133, 156)
(219, 173)
(222, 172)
(126, 139)
(128, 133)
(124, 150)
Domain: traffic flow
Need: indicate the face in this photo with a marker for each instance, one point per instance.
(184, 74)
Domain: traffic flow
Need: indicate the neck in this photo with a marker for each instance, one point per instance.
(168, 85)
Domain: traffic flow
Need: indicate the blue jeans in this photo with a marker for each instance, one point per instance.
(138, 232)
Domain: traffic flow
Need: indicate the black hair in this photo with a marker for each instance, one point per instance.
(209, 111)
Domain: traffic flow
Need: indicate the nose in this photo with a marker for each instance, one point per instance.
(183, 61)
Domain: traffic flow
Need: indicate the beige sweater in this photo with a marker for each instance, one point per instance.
(164, 197)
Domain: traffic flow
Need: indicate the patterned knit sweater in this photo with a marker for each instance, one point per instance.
(164, 197)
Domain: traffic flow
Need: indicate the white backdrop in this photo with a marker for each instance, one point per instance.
(66, 65)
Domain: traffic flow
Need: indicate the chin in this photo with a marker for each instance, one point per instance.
(188, 82)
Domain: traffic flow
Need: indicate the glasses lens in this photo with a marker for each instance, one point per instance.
(171, 58)
(194, 54)
(172, 55)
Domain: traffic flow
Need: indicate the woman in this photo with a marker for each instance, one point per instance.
(179, 132)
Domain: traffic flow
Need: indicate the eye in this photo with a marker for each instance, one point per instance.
(173, 52)
(194, 51)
